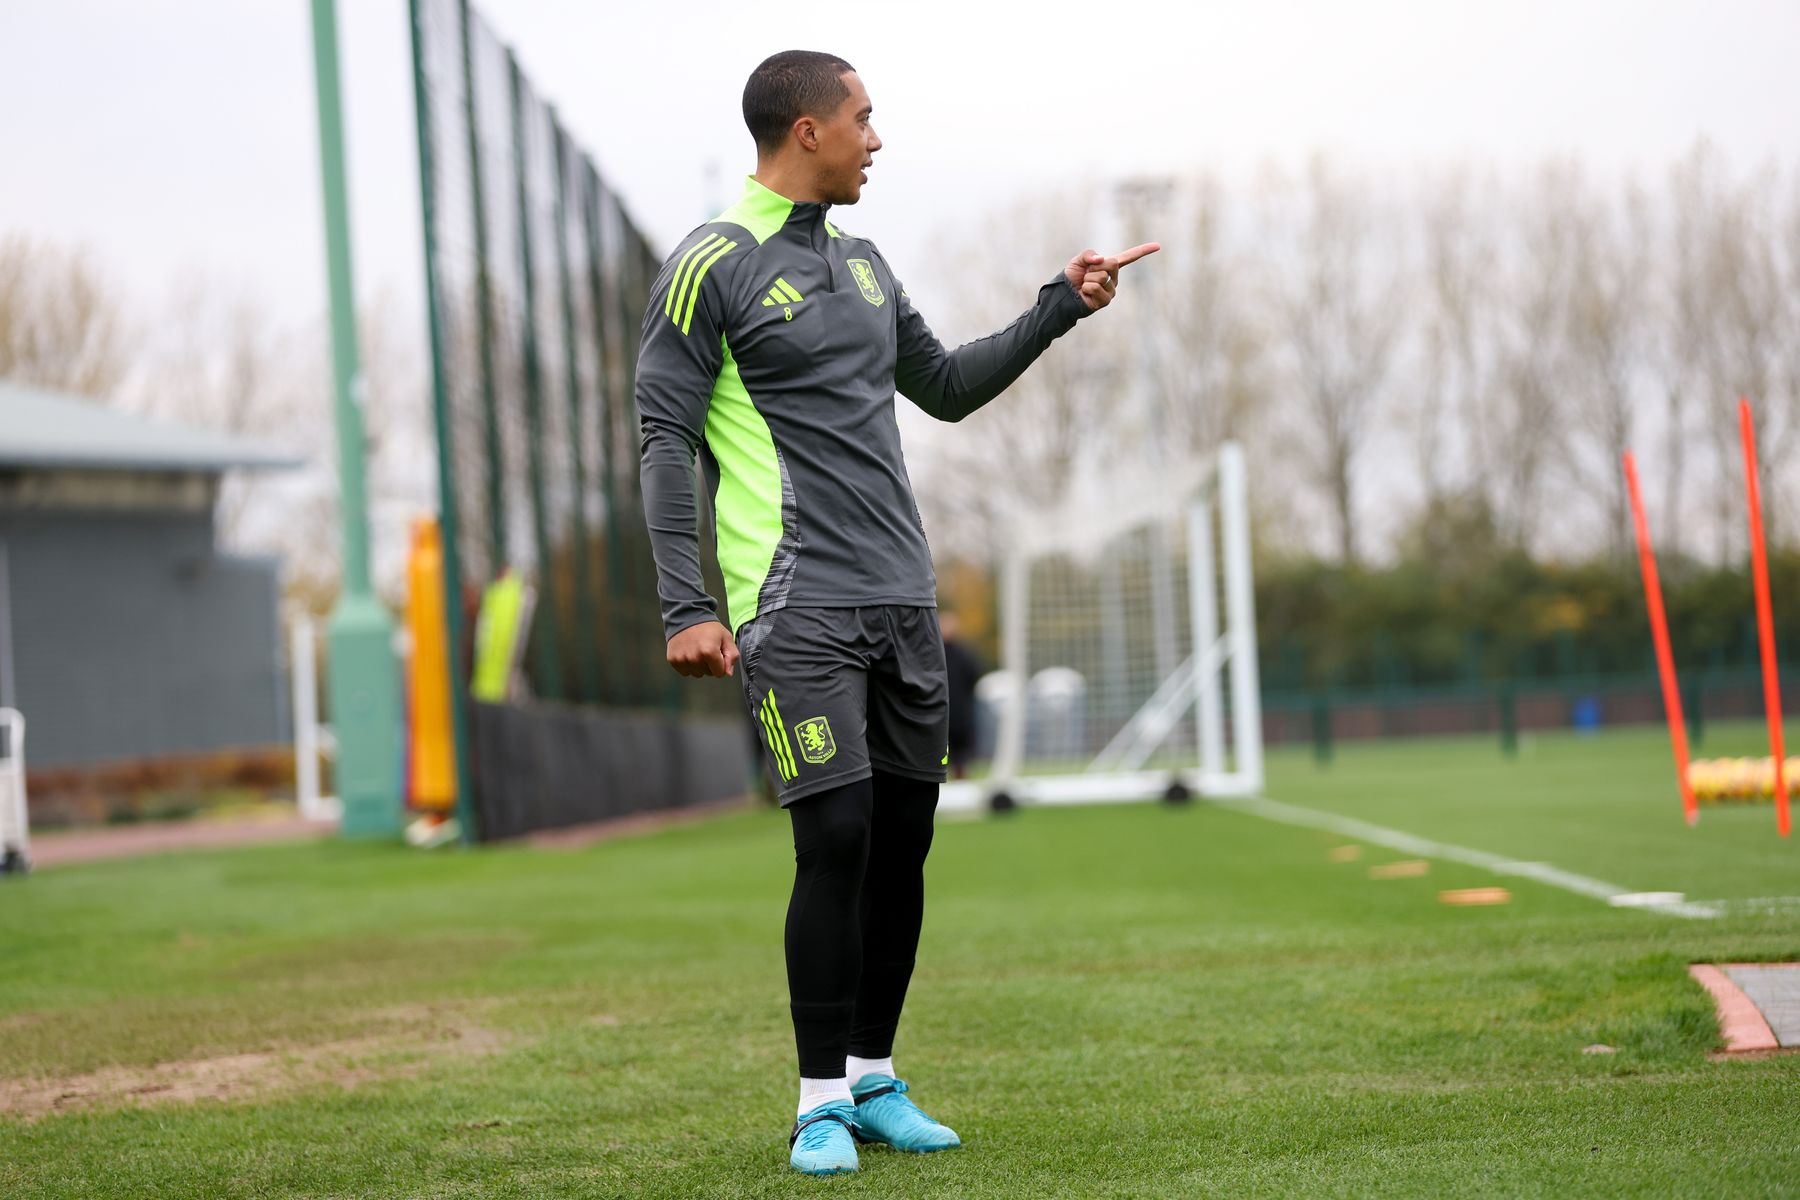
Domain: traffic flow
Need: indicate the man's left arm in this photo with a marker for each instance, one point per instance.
(951, 384)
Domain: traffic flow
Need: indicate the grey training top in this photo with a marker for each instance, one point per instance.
(773, 344)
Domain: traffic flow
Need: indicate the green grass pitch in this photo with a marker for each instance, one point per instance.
(1127, 1001)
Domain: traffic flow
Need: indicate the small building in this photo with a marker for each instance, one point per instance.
(124, 633)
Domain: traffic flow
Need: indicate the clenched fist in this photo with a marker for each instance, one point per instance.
(702, 650)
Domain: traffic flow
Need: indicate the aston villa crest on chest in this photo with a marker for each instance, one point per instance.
(865, 279)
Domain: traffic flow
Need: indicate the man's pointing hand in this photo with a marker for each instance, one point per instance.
(1096, 276)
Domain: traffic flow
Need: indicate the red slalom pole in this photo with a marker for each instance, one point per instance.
(1659, 634)
(1765, 620)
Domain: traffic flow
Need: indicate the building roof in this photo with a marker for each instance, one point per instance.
(46, 429)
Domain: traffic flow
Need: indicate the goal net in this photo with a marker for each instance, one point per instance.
(1128, 645)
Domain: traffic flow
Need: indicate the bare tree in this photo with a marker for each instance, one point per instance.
(1335, 297)
(1729, 303)
(1786, 371)
(1530, 411)
(1450, 427)
(219, 361)
(60, 323)
(1174, 368)
(1202, 345)
(1676, 354)
(216, 360)
(1020, 451)
(1606, 326)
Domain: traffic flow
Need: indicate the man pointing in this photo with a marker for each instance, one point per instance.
(773, 346)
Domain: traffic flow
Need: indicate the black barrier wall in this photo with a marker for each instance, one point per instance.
(549, 766)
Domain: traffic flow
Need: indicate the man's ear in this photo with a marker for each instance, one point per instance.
(806, 130)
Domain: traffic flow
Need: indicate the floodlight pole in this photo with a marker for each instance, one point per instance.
(364, 685)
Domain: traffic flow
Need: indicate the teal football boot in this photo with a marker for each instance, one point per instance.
(884, 1114)
(823, 1141)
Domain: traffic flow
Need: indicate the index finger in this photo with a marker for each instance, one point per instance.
(1125, 257)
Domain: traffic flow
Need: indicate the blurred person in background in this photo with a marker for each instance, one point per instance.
(962, 669)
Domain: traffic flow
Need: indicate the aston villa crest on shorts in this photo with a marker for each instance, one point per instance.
(816, 744)
(865, 279)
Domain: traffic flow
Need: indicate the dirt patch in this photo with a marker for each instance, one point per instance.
(407, 1041)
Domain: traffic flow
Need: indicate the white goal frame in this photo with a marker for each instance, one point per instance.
(1229, 754)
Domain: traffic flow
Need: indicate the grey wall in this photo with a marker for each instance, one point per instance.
(131, 637)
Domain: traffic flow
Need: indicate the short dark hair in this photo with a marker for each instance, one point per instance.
(790, 85)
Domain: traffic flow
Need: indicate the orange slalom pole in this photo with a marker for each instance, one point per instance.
(1659, 634)
(1765, 620)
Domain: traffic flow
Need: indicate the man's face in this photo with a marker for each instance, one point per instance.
(847, 145)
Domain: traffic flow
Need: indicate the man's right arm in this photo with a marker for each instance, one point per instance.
(678, 361)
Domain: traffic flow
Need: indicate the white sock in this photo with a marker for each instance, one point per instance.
(856, 1068)
(814, 1092)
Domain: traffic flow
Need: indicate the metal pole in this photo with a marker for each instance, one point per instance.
(302, 677)
(1204, 605)
(1009, 753)
(1113, 624)
(15, 805)
(1240, 618)
(9, 697)
(449, 516)
(365, 674)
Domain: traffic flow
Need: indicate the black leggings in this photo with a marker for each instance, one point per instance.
(853, 922)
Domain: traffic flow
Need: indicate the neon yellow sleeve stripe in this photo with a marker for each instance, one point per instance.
(693, 286)
(681, 270)
(675, 284)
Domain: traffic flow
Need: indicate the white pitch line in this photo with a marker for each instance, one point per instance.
(1394, 839)
(1753, 904)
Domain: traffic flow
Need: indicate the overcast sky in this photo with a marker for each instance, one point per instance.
(174, 136)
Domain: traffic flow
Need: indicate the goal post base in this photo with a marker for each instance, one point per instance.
(1030, 791)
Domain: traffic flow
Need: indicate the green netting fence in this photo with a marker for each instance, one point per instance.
(538, 279)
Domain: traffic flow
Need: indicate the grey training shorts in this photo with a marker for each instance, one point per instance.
(836, 692)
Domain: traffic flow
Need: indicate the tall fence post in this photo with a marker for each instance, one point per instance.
(1509, 720)
(448, 514)
(1321, 729)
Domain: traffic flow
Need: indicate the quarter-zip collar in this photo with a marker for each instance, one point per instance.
(764, 211)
